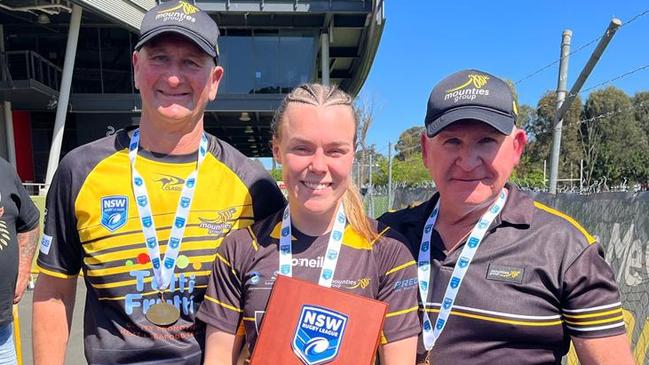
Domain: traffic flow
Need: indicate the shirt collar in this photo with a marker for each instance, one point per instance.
(518, 210)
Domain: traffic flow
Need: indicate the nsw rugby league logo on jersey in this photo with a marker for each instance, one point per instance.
(318, 335)
(114, 212)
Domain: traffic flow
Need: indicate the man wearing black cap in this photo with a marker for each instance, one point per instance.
(142, 212)
(505, 279)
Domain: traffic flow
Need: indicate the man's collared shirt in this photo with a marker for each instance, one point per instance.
(537, 279)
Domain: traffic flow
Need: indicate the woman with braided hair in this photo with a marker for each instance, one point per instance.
(314, 138)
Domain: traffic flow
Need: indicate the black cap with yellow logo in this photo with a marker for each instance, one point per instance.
(182, 18)
(471, 94)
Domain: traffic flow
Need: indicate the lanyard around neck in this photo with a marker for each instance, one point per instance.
(430, 333)
(163, 270)
(330, 257)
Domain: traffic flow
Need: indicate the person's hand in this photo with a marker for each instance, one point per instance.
(21, 285)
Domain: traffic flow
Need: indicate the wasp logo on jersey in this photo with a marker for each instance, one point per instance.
(361, 283)
(505, 273)
(221, 224)
(114, 212)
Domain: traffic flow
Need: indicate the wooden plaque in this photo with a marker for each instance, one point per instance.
(291, 303)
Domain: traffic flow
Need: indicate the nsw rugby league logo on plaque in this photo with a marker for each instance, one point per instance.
(318, 335)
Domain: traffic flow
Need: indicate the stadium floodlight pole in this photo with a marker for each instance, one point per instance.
(64, 94)
(562, 85)
(613, 26)
(324, 57)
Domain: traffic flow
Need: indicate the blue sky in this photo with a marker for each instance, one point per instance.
(426, 40)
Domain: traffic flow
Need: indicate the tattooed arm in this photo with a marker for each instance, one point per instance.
(27, 242)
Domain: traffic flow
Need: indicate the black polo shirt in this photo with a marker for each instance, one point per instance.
(247, 262)
(537, 279)
(18, 214)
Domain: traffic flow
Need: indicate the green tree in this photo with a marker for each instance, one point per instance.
(361, 170)
(614, 145)
(408, 172)
(365, 109)
(641, 110)
(409, 143)
(539, 128)
(276, 173)
(528, 165)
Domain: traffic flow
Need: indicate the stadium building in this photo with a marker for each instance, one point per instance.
(66, 76)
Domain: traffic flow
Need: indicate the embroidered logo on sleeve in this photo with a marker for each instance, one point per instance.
(46, 244)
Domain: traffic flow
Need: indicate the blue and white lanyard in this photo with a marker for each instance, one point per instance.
(331, 255)
(431, 334)
(163, 277)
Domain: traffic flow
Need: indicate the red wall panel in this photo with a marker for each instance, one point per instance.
(23, 142)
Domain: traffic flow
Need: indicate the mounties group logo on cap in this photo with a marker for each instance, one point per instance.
(318, 335)
(466, 92)
(181, 11)
(114, 212)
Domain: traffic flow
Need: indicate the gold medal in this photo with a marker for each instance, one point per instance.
(162, 314)
(427, 361)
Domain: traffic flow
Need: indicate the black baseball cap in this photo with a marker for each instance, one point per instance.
(471, 94)
(182, 18)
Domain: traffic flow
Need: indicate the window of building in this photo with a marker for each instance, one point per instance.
(266, 63)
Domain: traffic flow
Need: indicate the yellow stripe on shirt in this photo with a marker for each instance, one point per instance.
(608, 320)
(400, 267)
(404, 311)
(591, 315)
(54, 273)
(227, 306)
(499, 320)
(581, 229)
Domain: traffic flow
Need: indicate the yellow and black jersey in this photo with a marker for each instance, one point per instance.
(92, 224)
(248, 260)
(537, 279)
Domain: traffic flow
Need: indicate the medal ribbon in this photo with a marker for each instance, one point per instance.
(163, 270)
(331, 255)
(431, 334)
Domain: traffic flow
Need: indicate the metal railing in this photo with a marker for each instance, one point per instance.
(35, 189)
(29, 65)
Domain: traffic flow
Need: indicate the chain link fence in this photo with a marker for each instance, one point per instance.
(620, 221)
